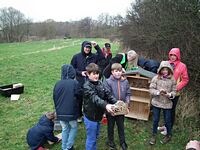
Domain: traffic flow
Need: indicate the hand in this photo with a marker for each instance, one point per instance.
(110, 108)
(93, 43)
(59, 140)
(163, 92)
(83, 73)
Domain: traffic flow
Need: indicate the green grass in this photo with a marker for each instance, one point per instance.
(37, 65)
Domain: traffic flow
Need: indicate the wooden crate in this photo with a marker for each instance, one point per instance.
(140, 99)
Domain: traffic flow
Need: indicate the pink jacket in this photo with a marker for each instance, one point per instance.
(180, 70)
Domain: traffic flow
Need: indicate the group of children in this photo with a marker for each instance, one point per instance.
(99, 97)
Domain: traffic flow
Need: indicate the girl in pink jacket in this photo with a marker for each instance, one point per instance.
(181, 77)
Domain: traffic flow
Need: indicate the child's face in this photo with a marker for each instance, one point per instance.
(93, 76)
(164, 71)
(117, 74)
(172, 57)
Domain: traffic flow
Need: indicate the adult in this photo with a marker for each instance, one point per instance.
(80, 61)
(127, 60)
(106, 50)
(148, 64)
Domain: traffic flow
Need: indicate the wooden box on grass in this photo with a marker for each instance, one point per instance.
(140, 100)
(8, 90)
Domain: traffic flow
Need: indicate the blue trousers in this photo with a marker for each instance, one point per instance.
(69, 132)
(167, 118)
(92, 131)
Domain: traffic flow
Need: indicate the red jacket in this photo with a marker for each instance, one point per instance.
(180, 70)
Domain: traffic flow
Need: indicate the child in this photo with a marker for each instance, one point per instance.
(181, 77)
(65, 95)
(41, 132)
(120, 88)
(162, 89)
(95, 101)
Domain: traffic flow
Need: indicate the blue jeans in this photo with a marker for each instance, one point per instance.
(167, 119)
(69, 132)
(92, 131)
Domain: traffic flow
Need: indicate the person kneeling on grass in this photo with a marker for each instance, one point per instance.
(42, 132)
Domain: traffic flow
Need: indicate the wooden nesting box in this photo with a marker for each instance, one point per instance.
(140, 100)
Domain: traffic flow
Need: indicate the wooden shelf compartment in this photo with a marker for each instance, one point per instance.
(140, 99)
(141, 92)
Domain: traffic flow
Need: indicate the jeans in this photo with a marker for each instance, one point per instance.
(167, 119)
(92, 131)
(174, 101)
(69, 132)
(120, 126)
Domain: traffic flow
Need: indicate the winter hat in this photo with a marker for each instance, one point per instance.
(87, 44)
(107, 45)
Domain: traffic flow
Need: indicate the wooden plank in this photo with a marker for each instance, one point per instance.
(137, 77)
(140, 99)
(139, 89)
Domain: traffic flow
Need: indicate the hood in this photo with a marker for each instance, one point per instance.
(44, 121)
(67, 72)
(165, 64)
(175, 51)
(86, 43)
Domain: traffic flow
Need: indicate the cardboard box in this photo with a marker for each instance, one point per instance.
(8, 90)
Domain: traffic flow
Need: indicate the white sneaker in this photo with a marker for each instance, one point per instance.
(163, 128)
(164, 132)
(79, 120)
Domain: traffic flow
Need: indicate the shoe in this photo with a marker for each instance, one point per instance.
(164, 132)
(111, 145)
(163, 128)
(166, 139)
(152, 140)
(79, 120)
(72, 148)
(124, 146)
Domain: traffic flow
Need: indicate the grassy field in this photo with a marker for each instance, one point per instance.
(37, 65)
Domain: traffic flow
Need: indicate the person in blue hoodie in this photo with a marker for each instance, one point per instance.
(65, 95)
(81, 60)
(38, 135)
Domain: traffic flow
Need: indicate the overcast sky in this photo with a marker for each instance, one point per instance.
(67, 10)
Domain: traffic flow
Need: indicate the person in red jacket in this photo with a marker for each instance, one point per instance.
(181, 77)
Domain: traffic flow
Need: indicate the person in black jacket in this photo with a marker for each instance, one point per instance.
(125, 59)
(81, 60)
(41, 132)
(65, 95)
(96, 99)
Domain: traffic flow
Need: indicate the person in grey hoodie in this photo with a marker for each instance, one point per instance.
(65, 95)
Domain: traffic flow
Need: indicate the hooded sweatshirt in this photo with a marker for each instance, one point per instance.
(81, 60)
(180, 70)
(65, 95)
(167, 84)
(40, 133)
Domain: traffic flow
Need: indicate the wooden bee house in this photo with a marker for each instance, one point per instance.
(140, 100)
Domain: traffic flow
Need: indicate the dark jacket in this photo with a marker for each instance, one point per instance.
(40, 133)
(95, 99)
(148, 64)
(117, 59)
(81, 60)
(65, 95)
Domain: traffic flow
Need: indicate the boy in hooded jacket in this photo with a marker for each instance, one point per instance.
(163, 90)
(119, 87)
(81, 60)
(65, 95)
(42, 132)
